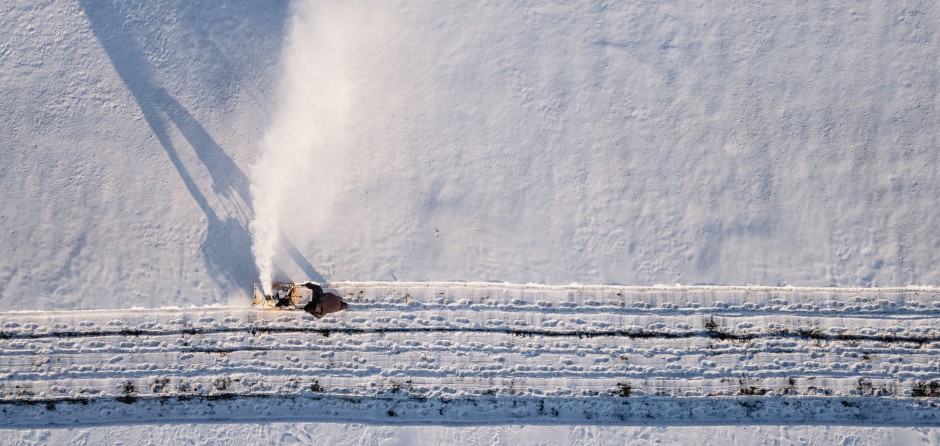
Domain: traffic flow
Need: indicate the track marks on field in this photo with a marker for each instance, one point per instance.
(427, 341)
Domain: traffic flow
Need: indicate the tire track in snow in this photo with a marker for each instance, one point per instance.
(404, 344)
(582, 334)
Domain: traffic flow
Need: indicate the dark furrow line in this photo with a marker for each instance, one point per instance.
(711, 332)
(606, 352)
(402, 395)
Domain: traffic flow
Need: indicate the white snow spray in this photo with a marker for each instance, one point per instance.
(294, 175)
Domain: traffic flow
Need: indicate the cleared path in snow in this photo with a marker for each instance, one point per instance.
(427, 352)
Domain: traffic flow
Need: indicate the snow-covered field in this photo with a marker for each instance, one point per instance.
(740, 144)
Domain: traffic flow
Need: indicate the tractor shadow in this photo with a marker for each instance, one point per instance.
(226, 202)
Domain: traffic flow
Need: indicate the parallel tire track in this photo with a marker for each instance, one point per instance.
(409, 343)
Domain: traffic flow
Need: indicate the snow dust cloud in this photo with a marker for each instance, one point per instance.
(294, 178)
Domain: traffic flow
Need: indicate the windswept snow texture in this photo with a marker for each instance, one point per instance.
(634, 143)
(470, 354)
(640, 143)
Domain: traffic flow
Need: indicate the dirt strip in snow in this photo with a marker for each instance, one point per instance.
(462, 353)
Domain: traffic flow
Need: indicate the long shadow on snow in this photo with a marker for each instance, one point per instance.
(227, 248)
(472, 410)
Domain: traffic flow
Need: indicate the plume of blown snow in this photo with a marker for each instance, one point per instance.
(291, 178)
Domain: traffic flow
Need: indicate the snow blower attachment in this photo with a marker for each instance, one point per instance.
(284, 295)
(308, 296)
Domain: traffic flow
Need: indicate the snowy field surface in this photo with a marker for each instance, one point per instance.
(635, 143)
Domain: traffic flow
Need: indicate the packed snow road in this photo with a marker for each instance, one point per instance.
(482, 352)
